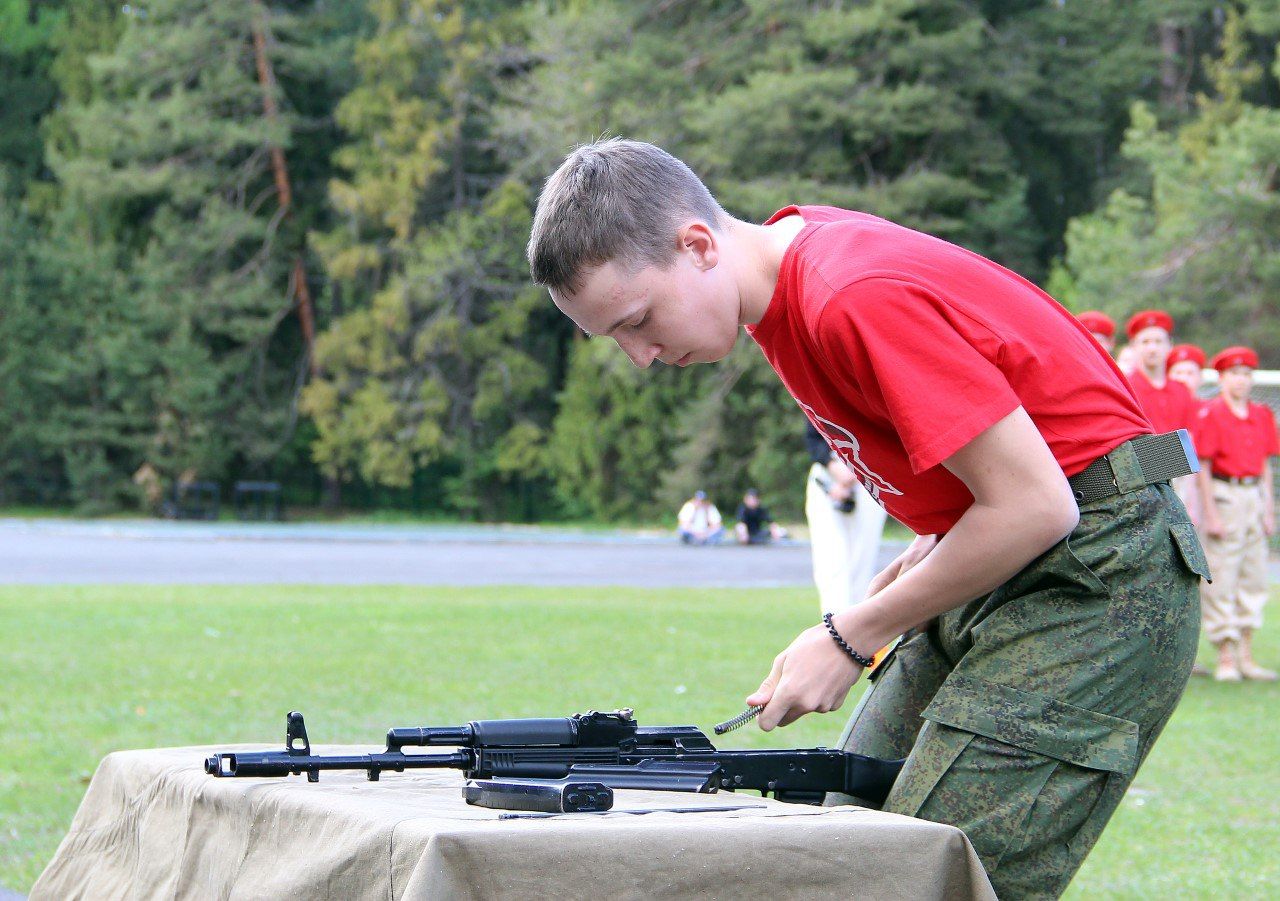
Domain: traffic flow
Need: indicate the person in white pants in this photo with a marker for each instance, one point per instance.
(845, 524)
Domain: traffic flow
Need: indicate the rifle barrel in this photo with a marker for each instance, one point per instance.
(282, 763)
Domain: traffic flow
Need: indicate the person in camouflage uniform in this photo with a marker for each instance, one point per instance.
(1025, 714)
(1055, 568)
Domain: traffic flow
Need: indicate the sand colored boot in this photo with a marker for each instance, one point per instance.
(1248, 668)
(1228, 670)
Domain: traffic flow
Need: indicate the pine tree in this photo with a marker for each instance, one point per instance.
(1202, 241)
(448, 351)
(165, 178)
(27, 31)
(28, 465)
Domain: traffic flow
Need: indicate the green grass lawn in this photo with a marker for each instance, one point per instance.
(84, 671)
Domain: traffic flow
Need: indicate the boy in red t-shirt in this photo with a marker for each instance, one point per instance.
(1186, 364)
(1167, 403)
(1236, 440)
(1050, 599)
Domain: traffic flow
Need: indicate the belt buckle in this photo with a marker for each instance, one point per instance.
(1189, 448)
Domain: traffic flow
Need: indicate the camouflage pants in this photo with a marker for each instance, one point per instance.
(1025, 714)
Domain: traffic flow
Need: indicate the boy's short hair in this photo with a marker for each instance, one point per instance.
(613, 201)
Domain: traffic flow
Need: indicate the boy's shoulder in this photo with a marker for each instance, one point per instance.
(859, 257)
(880, 273)
(843, 247)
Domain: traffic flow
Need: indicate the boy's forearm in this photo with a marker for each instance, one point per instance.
(1022, 506)
(987, 546)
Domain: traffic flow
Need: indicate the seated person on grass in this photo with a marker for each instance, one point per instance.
(982, 415)
(698, 521)
(755, 524)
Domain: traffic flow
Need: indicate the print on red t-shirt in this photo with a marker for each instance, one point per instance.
(902, 348)
(1235, 447)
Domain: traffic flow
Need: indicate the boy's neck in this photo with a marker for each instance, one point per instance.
(760, 249)
(1155, 376)
(1238, 405)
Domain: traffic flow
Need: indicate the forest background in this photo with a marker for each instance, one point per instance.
(285, 240)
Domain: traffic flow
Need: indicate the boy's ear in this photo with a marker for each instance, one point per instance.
(699, 241)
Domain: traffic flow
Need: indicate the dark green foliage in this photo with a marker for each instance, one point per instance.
(27, 31)
(612, 443)
(1202, 240)
(171, 255)
(28, 471)
(148, 306)
(449, 353)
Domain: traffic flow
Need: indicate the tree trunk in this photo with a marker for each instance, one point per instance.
(300, 291)
(1173, 89)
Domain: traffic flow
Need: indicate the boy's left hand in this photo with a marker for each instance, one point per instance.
(811, 676)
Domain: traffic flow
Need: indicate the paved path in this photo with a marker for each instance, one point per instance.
(145, 551)
(69, 551)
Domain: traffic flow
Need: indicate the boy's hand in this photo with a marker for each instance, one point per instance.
(902, 564)
(811, 676)
(1213, 526)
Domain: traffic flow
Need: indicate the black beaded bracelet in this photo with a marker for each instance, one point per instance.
(864, 662)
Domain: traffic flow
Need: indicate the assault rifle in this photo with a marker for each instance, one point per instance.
(605, 748)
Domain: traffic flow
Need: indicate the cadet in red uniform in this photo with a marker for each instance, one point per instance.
(1168, 404)
(1236, 439)
(1186, 365)
(1054, 579)
(1102, 327)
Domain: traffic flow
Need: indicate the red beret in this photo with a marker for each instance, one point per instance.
(1098, 323)
(1235, 356)
(1148, 318)
(1181, 352)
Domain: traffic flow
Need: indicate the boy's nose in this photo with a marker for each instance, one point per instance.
(642, 355)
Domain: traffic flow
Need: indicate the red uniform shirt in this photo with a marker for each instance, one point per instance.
(1235, 447)
(902, 348)
(1170, 407)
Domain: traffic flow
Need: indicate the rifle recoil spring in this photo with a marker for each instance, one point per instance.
(741, 719)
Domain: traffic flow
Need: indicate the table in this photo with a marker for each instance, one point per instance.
(153, 825)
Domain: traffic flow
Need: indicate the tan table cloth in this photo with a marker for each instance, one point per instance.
(154, 825)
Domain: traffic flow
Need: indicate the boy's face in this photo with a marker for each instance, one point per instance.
(1104, 341)
(1236, 382)
(686, 312)
(1152, 345)
(1187, 372)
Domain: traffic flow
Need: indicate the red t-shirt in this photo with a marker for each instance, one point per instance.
(902, 348)
(1170, 407)
(1233, 446)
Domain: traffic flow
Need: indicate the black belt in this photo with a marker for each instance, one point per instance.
(1160, 457)
(1247, 481)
